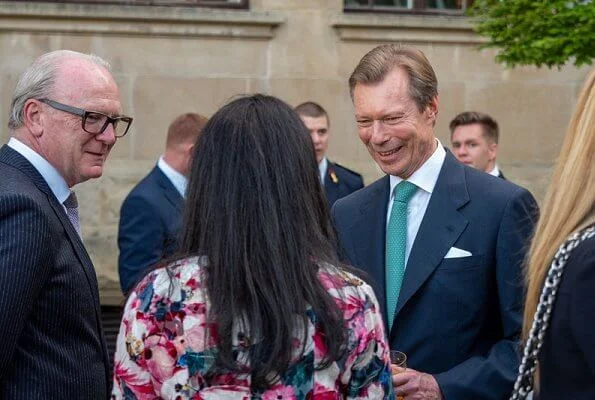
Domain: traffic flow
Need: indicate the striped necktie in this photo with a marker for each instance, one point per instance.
(71, 204)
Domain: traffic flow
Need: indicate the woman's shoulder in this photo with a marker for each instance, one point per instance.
(337, 279)
(581, 262)
(170, 279)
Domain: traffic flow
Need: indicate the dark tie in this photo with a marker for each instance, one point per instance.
(396, 245)
(72, 211)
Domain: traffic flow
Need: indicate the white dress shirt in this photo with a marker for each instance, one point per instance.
(322, 168)
(179, 181)
(425, 179)
(55, 181)
(495, 171)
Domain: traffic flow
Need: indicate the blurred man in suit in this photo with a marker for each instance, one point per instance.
(337, 180)
(474, 139)
(65, 119)
(447, 268)
(151, 214)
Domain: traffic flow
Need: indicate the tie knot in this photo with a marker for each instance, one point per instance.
(71, 201)
(404, 191)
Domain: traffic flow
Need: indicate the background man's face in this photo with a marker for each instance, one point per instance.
(319, 132)
(398, 136)
(471, 147)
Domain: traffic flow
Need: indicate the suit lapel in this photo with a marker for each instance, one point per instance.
(368, 236)
(171, 193)
(15, 159)
(441, 226)
(12, 157)
(330, 184)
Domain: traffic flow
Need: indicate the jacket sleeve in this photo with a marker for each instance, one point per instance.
(141, 237)
(25, 248)
(368, 365)
(132, 378)
(492, 376)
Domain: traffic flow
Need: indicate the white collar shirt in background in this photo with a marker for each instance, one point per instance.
(322, 167)
(55, 181)
(495, 171)
(179, 181)
(425, 179)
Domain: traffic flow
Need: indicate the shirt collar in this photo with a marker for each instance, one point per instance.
(322, 167)
(55, 181)
(177, 179)
(426, 176)
(495, 171)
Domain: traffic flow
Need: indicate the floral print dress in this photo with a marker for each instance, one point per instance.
(166, 346)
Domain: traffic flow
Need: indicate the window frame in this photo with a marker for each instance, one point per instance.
(419, 7)
(217, 4)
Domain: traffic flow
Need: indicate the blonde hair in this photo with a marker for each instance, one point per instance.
(570, 199)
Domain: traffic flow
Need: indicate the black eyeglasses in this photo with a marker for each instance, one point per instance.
(94, 122)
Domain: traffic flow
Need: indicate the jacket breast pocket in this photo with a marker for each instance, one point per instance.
(462, 285)
(461, 288)
(453, 264)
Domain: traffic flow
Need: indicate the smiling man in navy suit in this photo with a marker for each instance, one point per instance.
(337, 180)
(150, 216)
(446, 268)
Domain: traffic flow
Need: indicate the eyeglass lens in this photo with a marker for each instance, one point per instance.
(96, 123)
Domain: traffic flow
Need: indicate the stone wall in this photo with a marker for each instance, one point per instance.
(172, 60)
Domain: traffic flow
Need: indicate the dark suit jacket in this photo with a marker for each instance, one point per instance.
(340, 181)
(51, 341)
(456, 318)
(567, 359)
(150, 220)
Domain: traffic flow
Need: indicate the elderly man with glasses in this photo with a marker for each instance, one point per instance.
(65, 119)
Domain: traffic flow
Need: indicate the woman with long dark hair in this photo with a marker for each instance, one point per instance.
(256, 306)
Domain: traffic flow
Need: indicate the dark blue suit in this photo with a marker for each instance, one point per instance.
(457, 318)
(340, 181)
(150, 220)
(51, 341)
(567, 358)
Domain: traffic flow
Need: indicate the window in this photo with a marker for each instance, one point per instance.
(241, 4)
(423, 6)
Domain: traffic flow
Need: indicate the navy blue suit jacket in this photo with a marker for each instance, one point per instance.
(51, 341)
(567, 357)
(456, 318)
(340, 181)
(150, 220)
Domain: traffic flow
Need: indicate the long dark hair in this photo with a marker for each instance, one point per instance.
(256, 209)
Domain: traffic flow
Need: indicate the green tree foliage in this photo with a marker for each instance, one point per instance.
(537, 32)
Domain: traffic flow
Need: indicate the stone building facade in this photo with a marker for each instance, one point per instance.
(170, 59)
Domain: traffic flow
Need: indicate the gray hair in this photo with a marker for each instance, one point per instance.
(383, 59)
(37, 82)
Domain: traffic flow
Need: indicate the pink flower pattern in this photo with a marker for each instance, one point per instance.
(166, 347)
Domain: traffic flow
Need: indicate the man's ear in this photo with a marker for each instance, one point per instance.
(33, 117)
(190, 149)
(432, 109)
(189, 152)
(492, 149)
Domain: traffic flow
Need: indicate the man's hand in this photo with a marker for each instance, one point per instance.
(414, 385)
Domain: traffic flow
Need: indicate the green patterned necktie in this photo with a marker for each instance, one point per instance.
(396, 245)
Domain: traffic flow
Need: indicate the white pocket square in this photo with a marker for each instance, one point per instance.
(455, 252)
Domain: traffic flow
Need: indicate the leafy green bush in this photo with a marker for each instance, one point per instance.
(537, 32)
